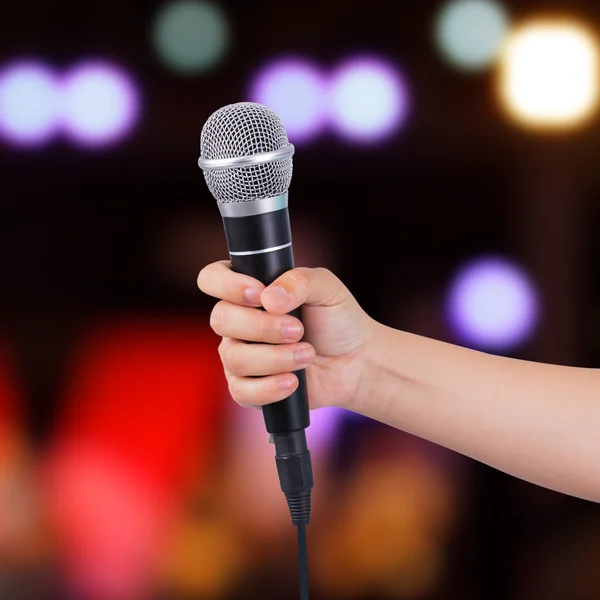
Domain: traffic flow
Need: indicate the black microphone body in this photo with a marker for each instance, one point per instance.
(247, 238)
(261, 246)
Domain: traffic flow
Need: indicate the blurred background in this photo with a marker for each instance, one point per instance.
(446, 170)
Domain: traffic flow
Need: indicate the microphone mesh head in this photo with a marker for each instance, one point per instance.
(239, 130)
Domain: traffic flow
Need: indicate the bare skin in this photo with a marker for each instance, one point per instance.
(537, 422)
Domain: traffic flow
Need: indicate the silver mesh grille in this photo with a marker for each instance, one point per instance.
(245, 129)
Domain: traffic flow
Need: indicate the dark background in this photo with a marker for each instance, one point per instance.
(99, 252)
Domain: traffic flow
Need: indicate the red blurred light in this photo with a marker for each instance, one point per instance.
(143, 408)
(10, 405)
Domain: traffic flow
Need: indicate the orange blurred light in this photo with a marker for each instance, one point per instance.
(387, 538)
(548, 76)
(21, 535)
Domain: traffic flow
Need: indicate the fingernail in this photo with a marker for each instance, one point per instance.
(252, 295)
(292, 331)
(278, 296)
(287, 383)
(304, 355)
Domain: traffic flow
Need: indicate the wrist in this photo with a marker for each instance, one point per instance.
(383, 369)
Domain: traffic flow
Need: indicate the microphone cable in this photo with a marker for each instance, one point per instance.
(294, 468)
(302, 562)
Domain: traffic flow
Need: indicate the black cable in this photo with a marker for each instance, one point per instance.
(303, 562)
(294, 467)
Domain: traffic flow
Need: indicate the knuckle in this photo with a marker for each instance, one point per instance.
(231, 288)
(217, 317)
(300, 280)
(263, 325)
(336, 288)
(324, 271)
(329, 278)
(263, 394)
(201, 280)
(238, 391)
(235, 390)
(231, 360)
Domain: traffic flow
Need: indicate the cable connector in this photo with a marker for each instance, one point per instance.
(294, 467)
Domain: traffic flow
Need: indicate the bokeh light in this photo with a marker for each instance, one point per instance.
(470, 33)
(112, 478)
(549, 74)
(29, 104)
(325, 424)
(369, 100)
(296, 90)
(493, 304)
(108, 520)
(101, 104)
(191, 37)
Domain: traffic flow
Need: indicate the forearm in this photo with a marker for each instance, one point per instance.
(538, 422)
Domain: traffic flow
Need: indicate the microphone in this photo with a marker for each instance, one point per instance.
(247, 162)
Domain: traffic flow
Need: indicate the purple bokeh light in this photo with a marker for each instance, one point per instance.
(493, 304)
(369, 100)
(101, 104)
(296, 90)
(325, 424)
(29, 104)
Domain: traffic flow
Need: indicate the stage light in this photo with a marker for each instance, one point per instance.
(295, 89)
(470, 33)
(117, 449)
(29, 106)
(548, 75)
(108, 521)
(325, 424)
(493, 305)
(101, 104)
(369, 100)
(191, 37)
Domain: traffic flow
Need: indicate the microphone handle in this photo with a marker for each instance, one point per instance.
(261, 246)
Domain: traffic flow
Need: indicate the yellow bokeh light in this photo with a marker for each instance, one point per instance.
(548, 74)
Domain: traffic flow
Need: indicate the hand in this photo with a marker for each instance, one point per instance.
(335, 335)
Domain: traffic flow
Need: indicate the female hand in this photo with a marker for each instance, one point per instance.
(335, 334)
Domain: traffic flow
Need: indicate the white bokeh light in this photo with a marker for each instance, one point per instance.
(369, 100)
(100, 104)
(29, 104)
(549, 74)
(469, 33)
(493, 304)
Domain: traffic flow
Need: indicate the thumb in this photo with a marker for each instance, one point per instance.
(314, 287)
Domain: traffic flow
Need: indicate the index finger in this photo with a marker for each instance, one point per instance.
(219, 281)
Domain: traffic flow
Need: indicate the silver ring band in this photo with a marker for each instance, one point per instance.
(265, 251)
(258, 207)
(207, 164)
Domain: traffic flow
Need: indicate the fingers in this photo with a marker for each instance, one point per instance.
(293, 289)
(266, 390)
(253, 325)
(317, 287)
(253, 360)
(219, 281)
